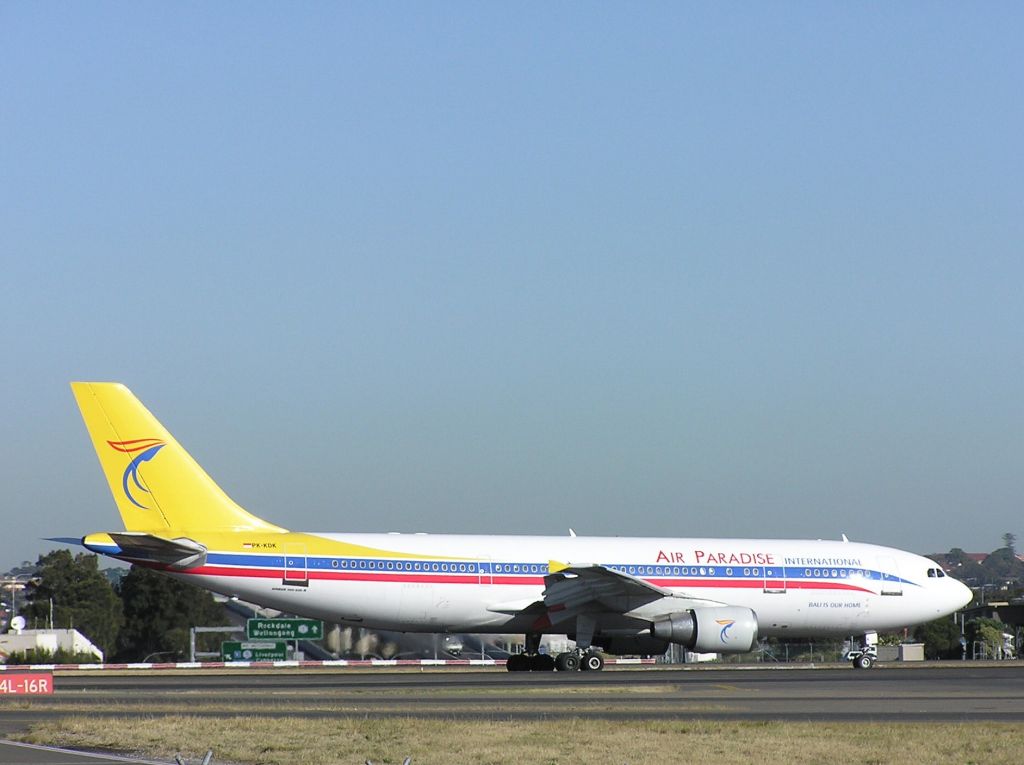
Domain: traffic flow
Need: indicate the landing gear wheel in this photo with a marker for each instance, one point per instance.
(567, 662)
(592, 661)
(541, 662)
(863, 662)
(518, 662)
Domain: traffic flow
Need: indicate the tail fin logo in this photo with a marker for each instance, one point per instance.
(144, 450)
(726, 624)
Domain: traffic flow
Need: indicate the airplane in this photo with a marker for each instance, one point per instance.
(610, 595)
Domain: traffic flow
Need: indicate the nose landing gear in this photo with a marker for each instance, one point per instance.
(865, 654)
(865, 660)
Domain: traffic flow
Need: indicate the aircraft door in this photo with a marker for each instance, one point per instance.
(891, 583)
(295, 572)
(483, 569)
(774, 579)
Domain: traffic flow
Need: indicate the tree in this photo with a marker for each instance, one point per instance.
(159, 612)
(1002, 566)
(987, 631)
(80, 596)
(941, 639)
(1009, 540)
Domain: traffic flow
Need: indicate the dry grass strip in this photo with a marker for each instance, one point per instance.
(351, 741)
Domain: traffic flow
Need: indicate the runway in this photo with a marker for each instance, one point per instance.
(953, 692)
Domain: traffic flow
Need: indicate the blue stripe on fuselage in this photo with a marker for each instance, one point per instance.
(501, 569)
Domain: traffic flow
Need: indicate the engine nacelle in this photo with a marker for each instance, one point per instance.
(676, 628)
(729, 629)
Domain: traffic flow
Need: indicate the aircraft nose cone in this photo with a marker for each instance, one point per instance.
(961, 595)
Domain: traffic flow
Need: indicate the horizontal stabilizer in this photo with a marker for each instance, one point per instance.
(64, 540)
(135, 546)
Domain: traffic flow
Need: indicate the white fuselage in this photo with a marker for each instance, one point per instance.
(456, 583)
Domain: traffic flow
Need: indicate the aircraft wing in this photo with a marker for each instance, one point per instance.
(572, 590)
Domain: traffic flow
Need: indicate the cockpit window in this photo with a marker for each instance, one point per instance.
(931, 573)
(936, 572)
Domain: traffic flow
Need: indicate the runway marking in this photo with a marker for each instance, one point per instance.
(71, 757)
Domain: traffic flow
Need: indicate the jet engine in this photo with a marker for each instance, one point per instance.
(728, 629)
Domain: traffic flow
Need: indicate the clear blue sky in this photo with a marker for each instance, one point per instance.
(668, 269)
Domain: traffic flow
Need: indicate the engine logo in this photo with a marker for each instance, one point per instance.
(726, 624)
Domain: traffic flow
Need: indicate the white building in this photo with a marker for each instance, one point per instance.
(48, 641)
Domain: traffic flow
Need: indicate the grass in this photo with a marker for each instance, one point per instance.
(343, 740)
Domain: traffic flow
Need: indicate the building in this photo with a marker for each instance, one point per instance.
(48, 641)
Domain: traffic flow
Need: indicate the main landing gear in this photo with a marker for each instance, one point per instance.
(530, 660)
(592, 662)
(522, 662)
(570, 661)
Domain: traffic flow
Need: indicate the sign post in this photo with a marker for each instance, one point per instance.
(284, 629)
(264, 650)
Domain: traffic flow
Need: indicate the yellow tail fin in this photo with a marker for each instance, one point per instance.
(156, 484)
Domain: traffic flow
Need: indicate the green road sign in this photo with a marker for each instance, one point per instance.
(265, 650)
(284, 629)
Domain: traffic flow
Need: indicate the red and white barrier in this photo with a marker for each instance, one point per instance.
(339, 663)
